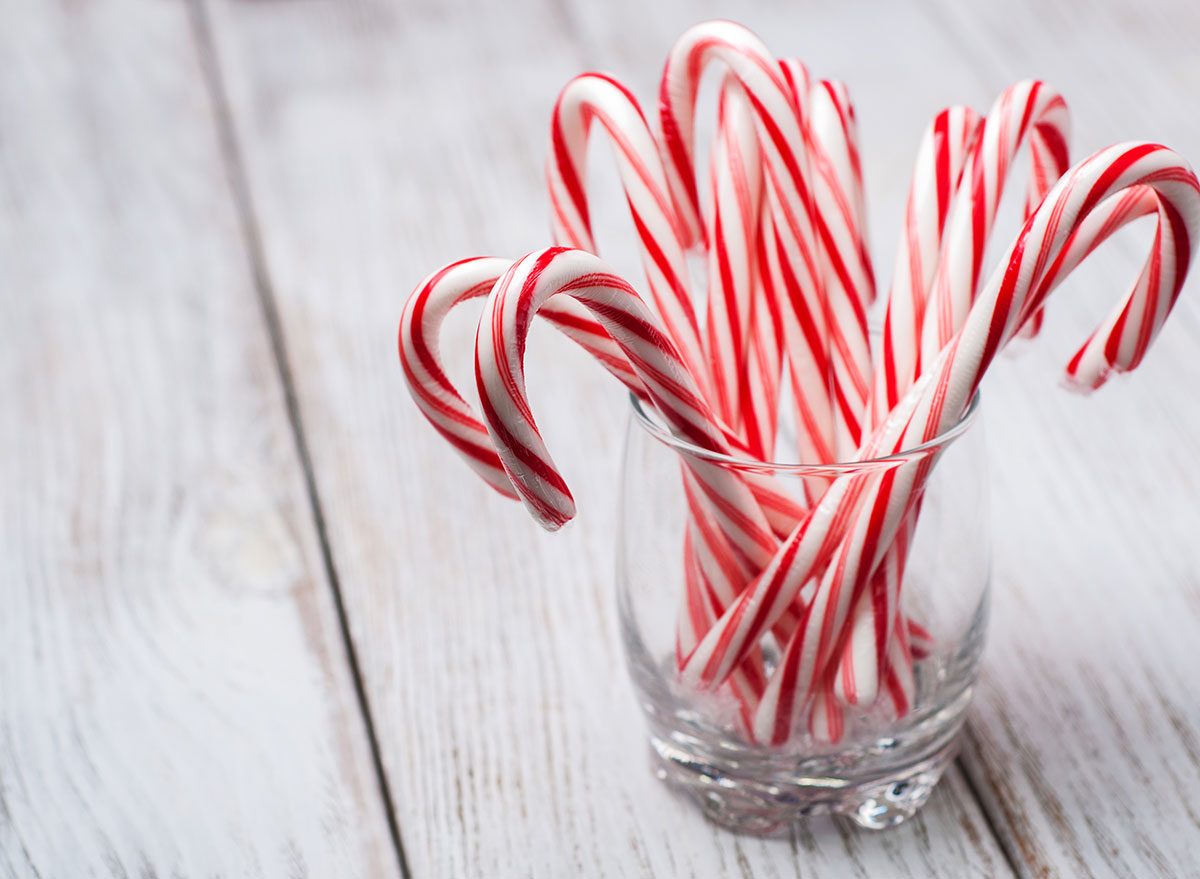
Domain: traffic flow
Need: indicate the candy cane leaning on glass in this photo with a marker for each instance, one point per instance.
(500, 376)
(781, 141)
(731, 230)
(859, 675)
(940, 160)
(1052, 242)
(444, 407)
(458, 423)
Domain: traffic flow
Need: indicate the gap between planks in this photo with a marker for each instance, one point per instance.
(243, 204)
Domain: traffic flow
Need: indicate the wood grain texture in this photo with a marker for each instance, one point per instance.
(382, 140)
(174, 695)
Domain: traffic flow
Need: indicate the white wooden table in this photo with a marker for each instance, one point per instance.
(258, 622)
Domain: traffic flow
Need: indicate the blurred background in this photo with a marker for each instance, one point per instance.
(257, 621)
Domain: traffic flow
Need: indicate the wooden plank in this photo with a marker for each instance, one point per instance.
(381, 142)
(174, 695)
(1084, 745)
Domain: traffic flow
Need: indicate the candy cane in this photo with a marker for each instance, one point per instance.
(1048, 246)
(848, 280)
(940, 160)
(598, 98)
(735, 180)
(868, 650)
(1028, 110)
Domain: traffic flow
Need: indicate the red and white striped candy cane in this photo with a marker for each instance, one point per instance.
(439, 401)
(1031, 111)
(869, 647)
(847, 276)
(759, 421)
(938, 169)
(1049, 244)
(942, 156)
(848, 279)
(717, 495)
(731, 230)
(1057, 236)
(500, 349)
(1028, 110)
(598, 98)
(773, 95)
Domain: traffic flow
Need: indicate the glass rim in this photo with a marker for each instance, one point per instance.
(659, 432)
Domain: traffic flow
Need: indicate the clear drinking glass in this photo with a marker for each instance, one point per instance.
(883, 768)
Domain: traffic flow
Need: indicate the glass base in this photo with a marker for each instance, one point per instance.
(878, 775)
(767, 808)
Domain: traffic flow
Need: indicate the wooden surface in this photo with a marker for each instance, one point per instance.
(174, 695)
(210, 214)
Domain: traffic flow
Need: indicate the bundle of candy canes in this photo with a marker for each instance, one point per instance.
(789, 285)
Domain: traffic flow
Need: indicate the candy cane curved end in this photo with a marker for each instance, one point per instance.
(500, 371)
(1089, 204)
(439, 401)
(748, 58)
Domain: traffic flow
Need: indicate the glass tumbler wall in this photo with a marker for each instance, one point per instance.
(879, 761)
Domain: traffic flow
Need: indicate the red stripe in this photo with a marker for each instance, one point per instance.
(522, 453)
(942, 146)
(677, 152)
(1115, 169)
(420, 299)
(566, 168)
(791, 670)
(651, 248)
(735, 575)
